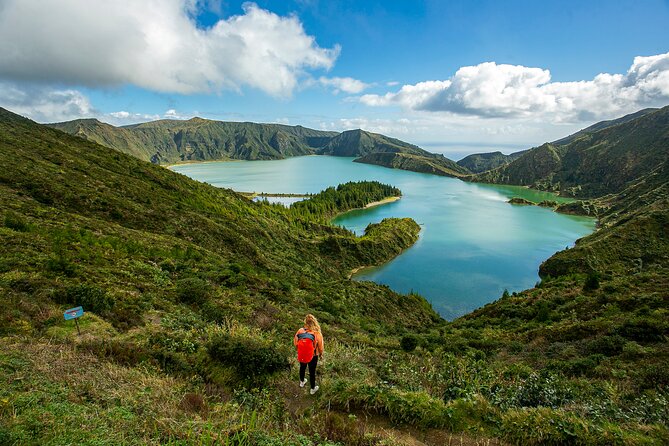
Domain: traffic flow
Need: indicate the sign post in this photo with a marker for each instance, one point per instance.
(74, 313)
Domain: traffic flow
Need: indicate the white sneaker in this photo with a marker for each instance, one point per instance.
(302, 383)
(314, 390)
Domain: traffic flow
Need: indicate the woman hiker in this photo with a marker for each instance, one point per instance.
(309, 343)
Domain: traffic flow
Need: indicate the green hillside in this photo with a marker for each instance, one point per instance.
(197, 139)
(603, 125)
(481, 162)
(593, 164)
(433, 164)
(181, 280)
(355, 143)
(172, 141)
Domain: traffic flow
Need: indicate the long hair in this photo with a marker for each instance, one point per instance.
(311, 323)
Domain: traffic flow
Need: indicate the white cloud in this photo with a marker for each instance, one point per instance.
(396, 127)
(47, 104)
(154, 44)
(173, 114)
(491, 90)
(124, 117)
(44, 104)
(345, 84)
(120, 114)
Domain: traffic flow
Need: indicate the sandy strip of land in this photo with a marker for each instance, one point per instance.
(183, 163)
(384, 201)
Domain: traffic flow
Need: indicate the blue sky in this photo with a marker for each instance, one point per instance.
(452, 76)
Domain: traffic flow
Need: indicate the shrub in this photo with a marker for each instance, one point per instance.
(543, 426)
(415, 408)
(607, 345)
(578, 366)
(348, 430)
(543, 311)
(539, 390)
(654, 377)
(409, 342)
(60, 263)
(90, 297)
(193, 290)
(642, 330)
(121, 352)
(252, 359)
(591, 282)
(193, 402)
(127, 315)
(16, 222)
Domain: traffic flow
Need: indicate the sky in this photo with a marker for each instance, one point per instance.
(454, 77)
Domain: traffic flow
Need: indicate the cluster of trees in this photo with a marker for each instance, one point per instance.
(347, 196)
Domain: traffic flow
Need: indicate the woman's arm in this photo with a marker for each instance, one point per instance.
(320, 348)
(295, 338)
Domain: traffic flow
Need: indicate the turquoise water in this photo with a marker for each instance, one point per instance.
(472, 246)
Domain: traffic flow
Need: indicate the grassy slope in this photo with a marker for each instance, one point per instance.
(603, 125)
(593, 164)
(360, 143)
(578, 360)
(433, 164)
(170, 141)
(372, 148)
(481, 162)
(169, 263)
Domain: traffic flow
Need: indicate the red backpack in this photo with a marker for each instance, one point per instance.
(306, 344)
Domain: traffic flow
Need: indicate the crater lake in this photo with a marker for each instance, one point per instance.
(473, 245)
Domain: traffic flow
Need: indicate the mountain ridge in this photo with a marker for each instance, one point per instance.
(169, 141)
(482, 162)
(592, 164)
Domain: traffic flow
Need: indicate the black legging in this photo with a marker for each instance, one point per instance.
(312, 370)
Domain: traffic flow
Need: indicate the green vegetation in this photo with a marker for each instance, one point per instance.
(424, 163)
(180, 280)
(604, 159)
(197, 139)
(521, 201)
(481, 162)
(345, 197)
(172, 141)
(360, 143)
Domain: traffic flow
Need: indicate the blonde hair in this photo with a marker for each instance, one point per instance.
(311, 323)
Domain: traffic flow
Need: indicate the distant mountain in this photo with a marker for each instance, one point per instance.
(434, 164)
(105, 134)
(197, 139)
(361, 143)
(480, 162)
(173, 141)
(373, 148)
(594, 163)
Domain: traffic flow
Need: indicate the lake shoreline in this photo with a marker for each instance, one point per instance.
(463, 179)
(456, 242)
(380, 202)
(185, 163)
